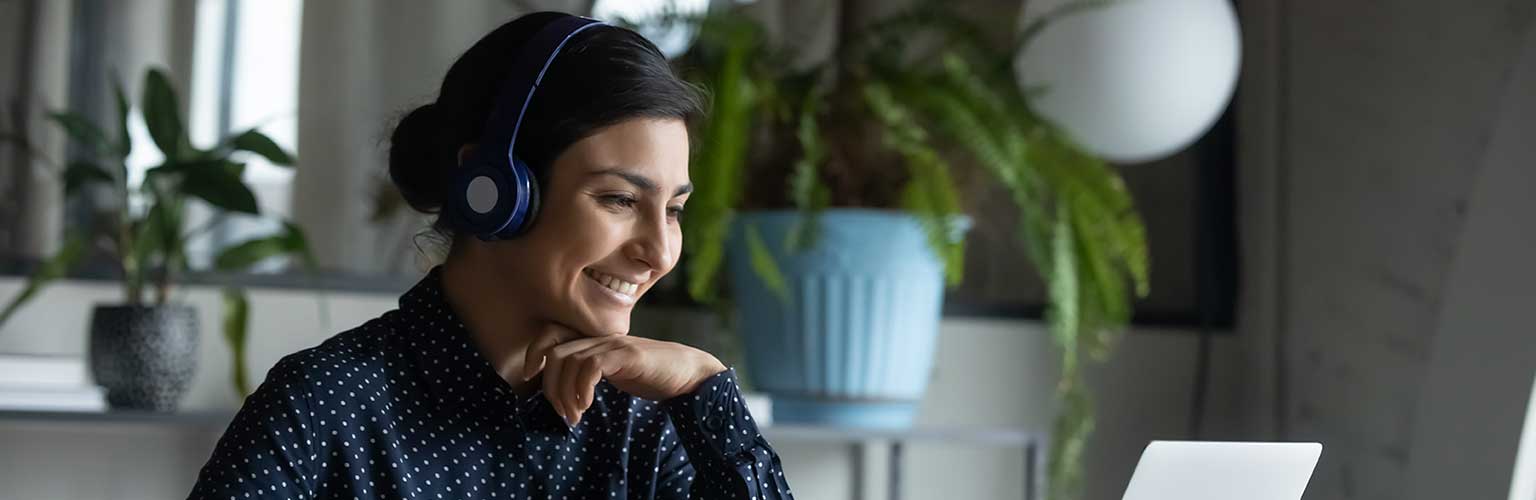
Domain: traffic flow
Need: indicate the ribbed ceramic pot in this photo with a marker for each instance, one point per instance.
(854, 344)
(144, 356)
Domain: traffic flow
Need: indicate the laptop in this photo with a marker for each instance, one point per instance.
(1204, 470)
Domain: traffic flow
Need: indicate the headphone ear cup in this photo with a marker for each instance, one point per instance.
(533, 202)
(527, 210)
(482, 200)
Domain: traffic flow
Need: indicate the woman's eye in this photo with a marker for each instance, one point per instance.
(674, 212)
(618, 200)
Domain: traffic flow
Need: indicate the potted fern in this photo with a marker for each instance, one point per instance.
(144, 350)
(827, 196)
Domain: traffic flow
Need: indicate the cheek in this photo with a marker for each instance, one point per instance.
(582, 240)
(576, 230)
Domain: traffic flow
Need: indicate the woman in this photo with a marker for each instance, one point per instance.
(508, 371)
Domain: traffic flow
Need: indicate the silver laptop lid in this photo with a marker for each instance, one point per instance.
(1202, 470)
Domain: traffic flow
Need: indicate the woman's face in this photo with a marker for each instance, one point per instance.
(607, 229)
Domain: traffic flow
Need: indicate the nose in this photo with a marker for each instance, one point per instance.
(652, 243)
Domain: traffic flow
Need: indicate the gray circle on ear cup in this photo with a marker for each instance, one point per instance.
(482, 194)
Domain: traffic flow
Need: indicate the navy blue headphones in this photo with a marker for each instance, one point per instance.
(495, 195)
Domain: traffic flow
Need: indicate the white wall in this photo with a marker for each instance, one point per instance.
(1477, 385)
(989, 372)
(1368, 128)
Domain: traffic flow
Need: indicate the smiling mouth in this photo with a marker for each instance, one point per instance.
(618, 286)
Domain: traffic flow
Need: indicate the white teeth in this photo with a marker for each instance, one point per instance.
(613, 283)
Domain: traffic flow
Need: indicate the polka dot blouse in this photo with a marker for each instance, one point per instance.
(404, 406)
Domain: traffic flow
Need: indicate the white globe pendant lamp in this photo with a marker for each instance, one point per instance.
(1134, 80)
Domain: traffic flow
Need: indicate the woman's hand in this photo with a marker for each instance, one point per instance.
(651, 369)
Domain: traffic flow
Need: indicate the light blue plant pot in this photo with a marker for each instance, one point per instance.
(854, 344)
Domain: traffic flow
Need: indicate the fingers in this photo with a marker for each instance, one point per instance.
(533, 359)
(553, 365)
(561, 369)
(554, 334)
(584, 369)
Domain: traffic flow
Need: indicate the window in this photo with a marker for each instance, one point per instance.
(245, 74)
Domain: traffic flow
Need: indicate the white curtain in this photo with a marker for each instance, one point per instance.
(36, 69)
(42, 69)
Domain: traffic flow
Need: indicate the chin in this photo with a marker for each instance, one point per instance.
(614, 325)
(603, 324)
(597, 316)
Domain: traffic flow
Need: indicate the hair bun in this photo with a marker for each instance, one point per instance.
(416, 158)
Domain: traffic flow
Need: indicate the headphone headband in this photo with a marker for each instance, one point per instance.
(526, 75)
(496, 194)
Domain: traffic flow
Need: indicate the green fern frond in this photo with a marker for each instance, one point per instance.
(1092, 186)
(806, 190)
(706, 253)
(930, 195)
(901, 126)
(1104, 296)
(764, 265)
(960, 121)
(1062, 283)
(1073, 425)
(716, 169)
(988, 100)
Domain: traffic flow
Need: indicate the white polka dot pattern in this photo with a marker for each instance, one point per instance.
(405, 407)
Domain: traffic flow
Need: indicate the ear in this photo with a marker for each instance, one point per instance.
(464, 152)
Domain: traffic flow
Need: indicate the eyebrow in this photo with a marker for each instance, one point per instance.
(642, 182)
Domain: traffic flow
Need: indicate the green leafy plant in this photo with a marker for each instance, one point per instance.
(144, 227)
(884, 123)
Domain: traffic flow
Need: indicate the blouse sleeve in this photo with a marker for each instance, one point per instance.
(268, 447)
(722, 454)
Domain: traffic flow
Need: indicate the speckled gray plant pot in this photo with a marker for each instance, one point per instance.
(144, 356)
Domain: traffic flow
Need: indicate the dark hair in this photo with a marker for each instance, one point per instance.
(603, 75)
